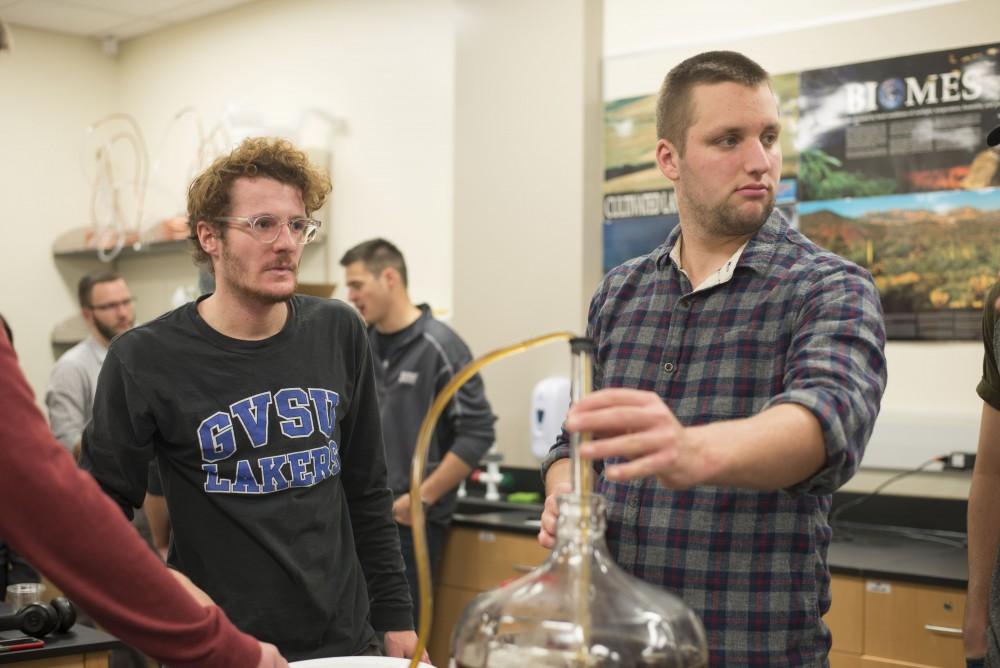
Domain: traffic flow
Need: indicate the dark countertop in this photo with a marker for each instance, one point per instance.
(78, 640)
(896, 553)
(861, 549)
(499, 515)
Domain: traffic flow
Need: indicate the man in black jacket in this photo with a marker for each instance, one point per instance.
(415, 357)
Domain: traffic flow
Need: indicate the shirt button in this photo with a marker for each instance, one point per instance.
(669, 367)
(683, 303)
(633, 501)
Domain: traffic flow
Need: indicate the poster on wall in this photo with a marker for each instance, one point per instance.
(894, 174)
(639, 205)
(910, 124)
(884, 163)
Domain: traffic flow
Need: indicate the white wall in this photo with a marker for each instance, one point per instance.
(926, 28)
(527, 190)
(924, 378)
(51, 88)
(385, 68)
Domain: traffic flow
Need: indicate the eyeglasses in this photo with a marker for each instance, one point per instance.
(266, 228)
(113, 306)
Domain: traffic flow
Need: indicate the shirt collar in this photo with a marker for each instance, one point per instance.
(756, 254)
(412, 331)
(96, 349)
(719, 276)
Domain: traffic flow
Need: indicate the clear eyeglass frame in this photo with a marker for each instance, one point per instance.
(266, 227)
(113, 306)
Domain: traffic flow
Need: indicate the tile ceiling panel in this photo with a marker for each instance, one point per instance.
(61, 17)
(120, 18)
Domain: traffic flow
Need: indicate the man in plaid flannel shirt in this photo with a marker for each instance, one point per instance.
(740, 369)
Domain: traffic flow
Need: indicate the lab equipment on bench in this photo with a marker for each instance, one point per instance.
(578, 609)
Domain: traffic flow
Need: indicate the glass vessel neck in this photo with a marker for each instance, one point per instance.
(581, 522)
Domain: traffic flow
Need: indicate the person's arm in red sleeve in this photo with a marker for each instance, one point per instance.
(59, 519)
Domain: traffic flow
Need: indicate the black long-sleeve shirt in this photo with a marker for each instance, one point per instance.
(270, 454)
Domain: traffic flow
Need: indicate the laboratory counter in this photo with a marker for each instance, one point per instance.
(864, 549)
(80, 646)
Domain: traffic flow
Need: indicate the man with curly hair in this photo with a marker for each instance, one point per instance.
(260, 410)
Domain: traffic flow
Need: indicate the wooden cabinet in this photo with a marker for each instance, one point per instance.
(887, 623)
(481, 559)
(90, 660)
(846, 615)
(844, 660)
(916, 623)
(474, 561)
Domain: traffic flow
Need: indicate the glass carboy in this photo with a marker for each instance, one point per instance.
(579, 609)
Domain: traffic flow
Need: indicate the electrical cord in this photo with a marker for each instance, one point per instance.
(839, 510)
(935, 538)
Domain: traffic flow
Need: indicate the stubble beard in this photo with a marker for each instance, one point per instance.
(111, 332)
(724, 220)
(241, 286)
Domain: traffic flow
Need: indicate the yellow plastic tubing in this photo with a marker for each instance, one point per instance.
(420, 461)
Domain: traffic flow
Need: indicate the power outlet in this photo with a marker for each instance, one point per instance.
(960, 461)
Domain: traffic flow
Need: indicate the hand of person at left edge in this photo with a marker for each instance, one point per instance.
(270, 657)
(637, 426)
(401, 644)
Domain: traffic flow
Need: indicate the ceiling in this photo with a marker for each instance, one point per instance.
(120, 19)
(636, 26)
(630, 26)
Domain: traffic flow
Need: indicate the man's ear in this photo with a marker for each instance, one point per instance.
(391, 277)
(667, 159)
(208, 237)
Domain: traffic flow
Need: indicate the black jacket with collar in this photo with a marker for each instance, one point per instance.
(411, 367)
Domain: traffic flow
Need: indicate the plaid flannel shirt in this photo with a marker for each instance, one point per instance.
(794, 324)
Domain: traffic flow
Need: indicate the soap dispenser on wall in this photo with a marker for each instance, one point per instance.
(549, 403)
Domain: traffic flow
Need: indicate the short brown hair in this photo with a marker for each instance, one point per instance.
(85, 288)
(673, 106)
(377, 255)
(209, 194)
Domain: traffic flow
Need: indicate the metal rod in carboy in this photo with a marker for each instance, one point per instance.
(581, 384)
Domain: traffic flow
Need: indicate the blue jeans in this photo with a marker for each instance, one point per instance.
(436, 535)
(975, 663)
